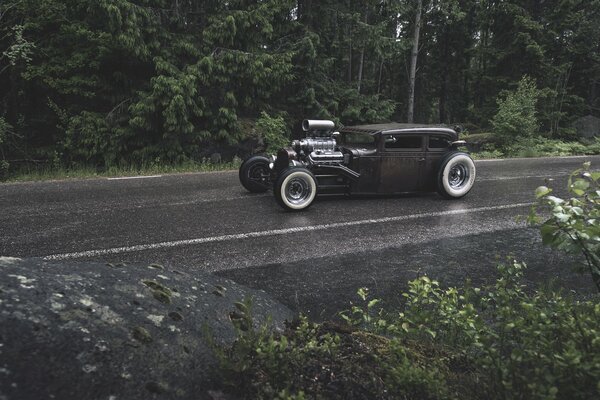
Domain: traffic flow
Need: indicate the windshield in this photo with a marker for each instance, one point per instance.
(358, 139)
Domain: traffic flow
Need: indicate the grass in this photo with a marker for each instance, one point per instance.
(487, 148)
(535, 147)
(46, 173)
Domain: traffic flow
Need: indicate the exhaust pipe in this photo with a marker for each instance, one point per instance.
(317, 125)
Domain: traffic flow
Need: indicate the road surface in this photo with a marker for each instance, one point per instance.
(312, 261)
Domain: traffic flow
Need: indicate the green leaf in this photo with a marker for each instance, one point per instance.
(548, 232)
(542, 191)
(373, 303)
(580, 185)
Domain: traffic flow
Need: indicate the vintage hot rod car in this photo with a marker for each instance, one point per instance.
(369, 159)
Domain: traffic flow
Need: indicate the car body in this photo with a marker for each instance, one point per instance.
(389, 158)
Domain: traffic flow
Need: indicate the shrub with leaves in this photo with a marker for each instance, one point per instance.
(516, 116)
(542, 345)
(325, 361)
(574, 223)
(493, 342)
(274, 131)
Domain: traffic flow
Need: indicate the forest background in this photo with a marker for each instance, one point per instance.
(106, 83)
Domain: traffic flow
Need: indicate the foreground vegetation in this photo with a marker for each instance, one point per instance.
(500, 341)
(495, 342)
(44, 173)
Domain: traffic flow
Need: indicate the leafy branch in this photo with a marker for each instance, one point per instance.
(574, 224)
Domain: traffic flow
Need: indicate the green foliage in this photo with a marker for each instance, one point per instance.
(574, 223)
(5, 129)
(365, 314)
(516, 116)
(114, 82)
(274, 132)
(539, 146)
(531, 346)
(21, 49)
(90, 140)
(324, 361)
(493, 342)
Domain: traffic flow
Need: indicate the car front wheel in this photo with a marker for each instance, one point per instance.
(295, 189)
(255, 174)
(456, 175)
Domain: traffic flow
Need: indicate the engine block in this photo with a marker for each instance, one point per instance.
(308, 145)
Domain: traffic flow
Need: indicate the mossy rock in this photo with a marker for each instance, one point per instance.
(84, 330)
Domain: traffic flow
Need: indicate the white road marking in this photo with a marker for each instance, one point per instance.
(489, 160)
(219, 199)
(534, 158)
(274, 232)
(508, 178)
(122, 178)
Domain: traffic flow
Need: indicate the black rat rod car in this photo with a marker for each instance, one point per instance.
(370, 159)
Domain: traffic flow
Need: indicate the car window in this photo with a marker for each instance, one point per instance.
(403, 142)
(438, 142)
(353, 138)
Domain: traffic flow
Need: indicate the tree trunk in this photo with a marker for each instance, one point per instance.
(350, 58)
(360, 68)
(413, 64)
(362, 57)
(380, 74)
(443, 112)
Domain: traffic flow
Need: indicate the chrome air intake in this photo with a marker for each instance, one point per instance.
(317, 125)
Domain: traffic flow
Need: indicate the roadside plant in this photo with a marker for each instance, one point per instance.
(365, 314)
(574, 223)
(516, 117)
(498, 341)
(274, 132)
(501, 341)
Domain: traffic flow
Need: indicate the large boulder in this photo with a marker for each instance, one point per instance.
(96, 331)
(588, 126)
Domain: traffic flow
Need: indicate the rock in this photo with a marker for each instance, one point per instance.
(92, 331)
(588, 126)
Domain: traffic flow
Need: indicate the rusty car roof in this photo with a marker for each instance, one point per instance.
(395, 126)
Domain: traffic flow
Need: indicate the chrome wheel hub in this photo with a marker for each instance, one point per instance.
(297, 191)
(458, 175)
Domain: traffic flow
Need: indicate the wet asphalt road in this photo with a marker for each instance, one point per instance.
(312, 261)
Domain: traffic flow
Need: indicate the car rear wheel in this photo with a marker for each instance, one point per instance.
(456, 175)
(255, 174)
(295, 189)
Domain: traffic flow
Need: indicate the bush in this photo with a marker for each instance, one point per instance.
(274, 132)
(493, 342)
(574, 224)
(516, 116)
(324, 361)
(542, 345)
(539, 147)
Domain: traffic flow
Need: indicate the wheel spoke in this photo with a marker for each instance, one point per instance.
(298, 190)
(458, 176)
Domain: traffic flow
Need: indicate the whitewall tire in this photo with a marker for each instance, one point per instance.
(295, 189)
(456, 175)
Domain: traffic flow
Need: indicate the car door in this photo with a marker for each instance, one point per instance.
(402, 159)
